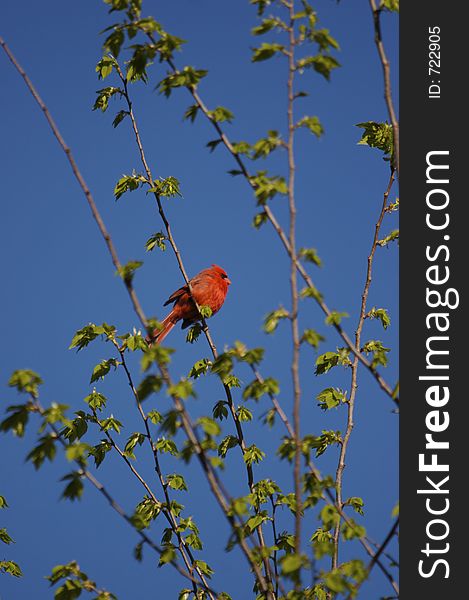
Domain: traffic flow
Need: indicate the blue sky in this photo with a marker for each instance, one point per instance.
(57, 275)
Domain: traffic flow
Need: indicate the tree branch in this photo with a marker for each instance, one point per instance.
(376, 11)
(214, 484)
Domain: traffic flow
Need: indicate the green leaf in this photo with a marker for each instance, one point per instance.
(77, 452)
(201, 367)
(115, 40)
(156, 240)
(334, 318)
(331, 397)
(321, 63)
(89, 333)
(259, 219)
(176, 482)
(183, 389)
(393, 236)
(390, 5)
(356, 503)
(381, 314)
(188, 77)
(291, 565)
(194, 541)
(191, 112)
(110, 423)
(166, 188)
(3, 502)
(221, 114)
(266, 188)
(155, 417)
(209, 426)
(126, 272)
(10, 567)
(156, 354)
(261, 5)
(313, 124)
(145, 512)
(17, 420)
(204, 568)
(220, 411)
(134, 342)
(310, 255)
(322, 442)
(142, 58)
(99, 451)
(271, 321)
(151, 384)
(167, 556)
(166, 446)
(378, 135)
(240, 148)
(74, 489)
(138, 552)
(263, 147)
(323, 39)
(105, 66)
(244, 414)
(5, 538)
(256, 389)
(134, 439)
(213, 144)
(102, 369)
(266, 51)
(103, 96)
(193, 333)
(379, 352)
(128, 183)
(311, 292)
(120, 116)
(230, 441)
(325, 362)
(205, 311)
(96, 401)
(44, 449)
(266, 26)
(253, 455)
(312, 337)
(243, 354)
(27, 381)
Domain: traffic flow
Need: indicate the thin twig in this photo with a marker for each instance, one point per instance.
(295, 364)
(354, 369)
(376, 11)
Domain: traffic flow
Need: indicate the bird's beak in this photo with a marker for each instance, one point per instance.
(228, 281)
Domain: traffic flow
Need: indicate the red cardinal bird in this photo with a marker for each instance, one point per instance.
(209, 288)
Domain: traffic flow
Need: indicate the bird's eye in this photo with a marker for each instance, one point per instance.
(224, 276)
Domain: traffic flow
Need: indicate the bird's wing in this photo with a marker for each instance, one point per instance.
(177, 294)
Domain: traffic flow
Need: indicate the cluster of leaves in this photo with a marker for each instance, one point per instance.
(73, 581)
(8, 566)
(380, 136)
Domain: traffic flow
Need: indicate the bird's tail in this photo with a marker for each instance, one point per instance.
(158, 335)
